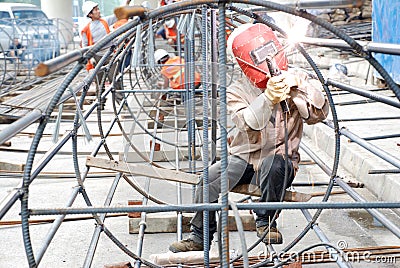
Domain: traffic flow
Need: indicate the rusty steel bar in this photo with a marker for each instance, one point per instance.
(126, 12)
(56, 64)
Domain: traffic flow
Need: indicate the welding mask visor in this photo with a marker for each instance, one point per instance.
(250, 45)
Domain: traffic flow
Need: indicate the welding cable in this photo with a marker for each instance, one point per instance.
(334, 115)
(127, 251)
(240, 230)
(75, 160)
(30, 159)
(336, 156)
(297, 254)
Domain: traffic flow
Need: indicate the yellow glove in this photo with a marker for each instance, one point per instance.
(278, 87)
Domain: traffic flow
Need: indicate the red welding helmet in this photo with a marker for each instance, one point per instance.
(251, 45)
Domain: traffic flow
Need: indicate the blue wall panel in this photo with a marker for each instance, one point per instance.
(386, 29)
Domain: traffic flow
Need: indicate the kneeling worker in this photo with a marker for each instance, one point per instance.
(173, 70)
(257, 147)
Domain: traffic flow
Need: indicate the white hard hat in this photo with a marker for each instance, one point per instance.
(170, 23)
(146, 4)
(88, 6)
(159, 54)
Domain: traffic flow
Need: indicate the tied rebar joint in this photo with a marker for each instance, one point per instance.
(100, 225)
(21, 193)
(143, 223)
(81, 189)
(85, 86)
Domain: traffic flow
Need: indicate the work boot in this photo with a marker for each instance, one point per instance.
(186, 245)
(272, 237)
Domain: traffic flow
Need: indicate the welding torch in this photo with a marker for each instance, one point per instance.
(275, 71)
(266, 53)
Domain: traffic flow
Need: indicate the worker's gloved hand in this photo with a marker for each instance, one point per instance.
(278, 87)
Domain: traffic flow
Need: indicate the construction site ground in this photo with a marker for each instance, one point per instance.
(348, 229)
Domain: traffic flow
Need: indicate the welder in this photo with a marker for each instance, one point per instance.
(268, 102)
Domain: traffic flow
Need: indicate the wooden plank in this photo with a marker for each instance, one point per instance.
(290, 196)
(12, 166)
(159, 156)
(179, 176)
(254, 190)
(143, 170)
(166, 222)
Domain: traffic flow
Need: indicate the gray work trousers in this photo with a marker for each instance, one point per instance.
(270, 179)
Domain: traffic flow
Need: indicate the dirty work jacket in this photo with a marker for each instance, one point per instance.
(174, 70)
(259, 124)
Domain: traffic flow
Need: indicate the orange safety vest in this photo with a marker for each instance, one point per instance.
(175, 72)
(86, 30)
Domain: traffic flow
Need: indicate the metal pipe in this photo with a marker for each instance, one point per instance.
(9, 201)
(19, 125)
(215, 207)
(204, 80)
(324, 239)
(370, 118)
(224, 133)
(368, 146)
(386, 48)
(177, 167)
(143, 225)
(379, 216)
(385, 171)
(365, 93)
(317, 4)
(388, 136)
(214, 94)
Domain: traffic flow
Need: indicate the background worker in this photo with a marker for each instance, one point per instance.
(94, 31)
(173, 71)
(257, 148)
(169, 32)
(16, 50)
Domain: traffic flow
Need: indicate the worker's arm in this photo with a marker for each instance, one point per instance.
(165, 81)
(310, 101)
(84, 40)
(256, 114)
(248, 116)
(111, 19)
